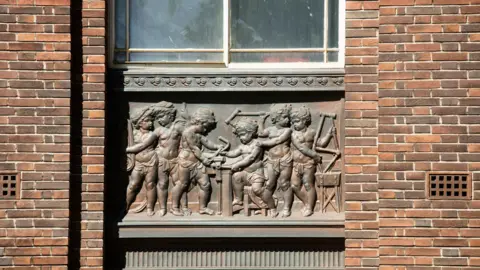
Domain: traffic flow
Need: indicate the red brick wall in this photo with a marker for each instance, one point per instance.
(34, 131)
(361, 143)
(428, 121)
(93, 130)
(51, 132)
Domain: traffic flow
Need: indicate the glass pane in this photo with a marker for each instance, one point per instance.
(120, 57)
(333, 21)
(120, 23)
(332, 56)
(277, 23)
(176, 23)
(195, 57)
(278, 57)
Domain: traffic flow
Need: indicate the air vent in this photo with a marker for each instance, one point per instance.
(10, 184)
(449, 186)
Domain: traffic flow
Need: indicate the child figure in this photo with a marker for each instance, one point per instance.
(279, 157)
(249, 170)
(168, 134)
(304, 159)
(146, 160)
(192, 161)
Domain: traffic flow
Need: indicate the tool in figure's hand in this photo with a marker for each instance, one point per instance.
(224, 148)
(319, 146)
(238, 112)
(130, 157)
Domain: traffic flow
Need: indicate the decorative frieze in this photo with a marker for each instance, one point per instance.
(226, 82)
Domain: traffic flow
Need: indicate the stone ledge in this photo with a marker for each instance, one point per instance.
(195, 226)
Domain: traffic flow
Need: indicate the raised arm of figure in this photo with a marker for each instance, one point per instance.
(262, 132)
(139, 147)
(285, 136)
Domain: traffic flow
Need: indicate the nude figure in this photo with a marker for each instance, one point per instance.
(304, 159)
(192, 160)
(249, 170)
(146, 160)
(168, 135)
(279, 157)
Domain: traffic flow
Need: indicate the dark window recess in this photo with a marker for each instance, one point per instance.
(10, 184)
(449, 186)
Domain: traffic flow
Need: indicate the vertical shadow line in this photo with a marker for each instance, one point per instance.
(76, 107)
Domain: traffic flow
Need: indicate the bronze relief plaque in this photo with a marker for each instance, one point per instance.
(234, 157)
(203, 177)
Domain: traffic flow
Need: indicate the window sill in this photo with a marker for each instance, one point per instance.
(287, 70)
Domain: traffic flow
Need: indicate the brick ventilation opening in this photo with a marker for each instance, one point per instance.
(9, 184)
(449, 186)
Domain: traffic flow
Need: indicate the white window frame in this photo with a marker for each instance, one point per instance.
(227, 65)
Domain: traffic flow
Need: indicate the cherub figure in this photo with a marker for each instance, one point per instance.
(279, 157)
(249, 170)
(192, 160)
(146, 160)
(168, 134)
(304, 159)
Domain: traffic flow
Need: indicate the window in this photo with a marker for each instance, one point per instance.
(228, 32)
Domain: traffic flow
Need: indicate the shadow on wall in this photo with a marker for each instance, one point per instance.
(75, 196)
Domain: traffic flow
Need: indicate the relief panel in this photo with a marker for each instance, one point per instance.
(219, 160)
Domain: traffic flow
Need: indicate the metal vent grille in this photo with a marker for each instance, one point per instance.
(449, 186)
(9, 184)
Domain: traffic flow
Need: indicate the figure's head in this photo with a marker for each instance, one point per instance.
(143, 118)
(246, 129)
(165, 113)
(205, 118)
(300, 117)
(280, 114)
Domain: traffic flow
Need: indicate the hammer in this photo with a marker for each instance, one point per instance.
(332, 115)
(239, 112)
(232, 116)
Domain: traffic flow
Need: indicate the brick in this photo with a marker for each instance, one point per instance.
(449, 130)
(52, 2)
(450, 56)
(52, 56)
(396, 3)
(422, 84)
(451, 261)
(424, 29)
(13, 46)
